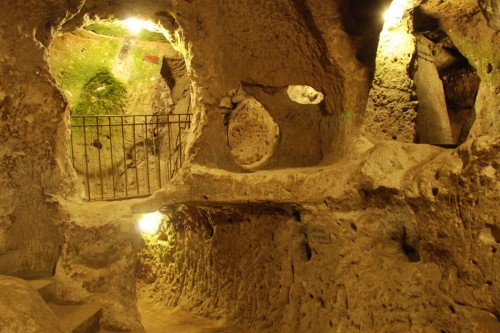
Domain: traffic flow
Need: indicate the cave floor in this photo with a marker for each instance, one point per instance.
(158, 318)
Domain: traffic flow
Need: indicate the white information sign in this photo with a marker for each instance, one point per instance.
(318, 234)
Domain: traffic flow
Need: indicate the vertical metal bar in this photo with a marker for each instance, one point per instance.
(87, 185)
(72, 145)
(124, 157)
(157, 152)
(146, 152)
(135, 156)
(108, 162)
(169, 147)
(180, 140)
(99, 156)
(165, 149)
(113, 170)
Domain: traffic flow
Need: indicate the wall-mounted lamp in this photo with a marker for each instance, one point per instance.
(395, 13)
(149, 223)
(136, 25)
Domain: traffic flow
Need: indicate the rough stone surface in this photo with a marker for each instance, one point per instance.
(23, 310)
(491, 10)
(392, 103)
(97, 262)
(400, 241)
(433, 123)
(252, 134)
(461, 86)
(413, 229)
(292, 36)
(477, 42)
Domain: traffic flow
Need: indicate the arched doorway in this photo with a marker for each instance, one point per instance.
(129, 100)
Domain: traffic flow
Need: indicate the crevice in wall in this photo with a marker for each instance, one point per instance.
(411, 253)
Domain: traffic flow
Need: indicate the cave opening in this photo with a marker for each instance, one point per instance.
(128, 90)
(129, 95)
(424, 90)
(447, 87)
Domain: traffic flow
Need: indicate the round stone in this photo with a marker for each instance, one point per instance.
(252, 134)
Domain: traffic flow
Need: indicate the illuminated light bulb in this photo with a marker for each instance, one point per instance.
(134, 25)
(395, 13)
(149, 223)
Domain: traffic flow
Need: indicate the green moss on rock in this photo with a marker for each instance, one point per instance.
(102, 95)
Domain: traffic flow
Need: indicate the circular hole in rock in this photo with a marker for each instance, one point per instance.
(304, 94)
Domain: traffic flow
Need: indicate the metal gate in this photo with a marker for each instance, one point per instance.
(119, 157)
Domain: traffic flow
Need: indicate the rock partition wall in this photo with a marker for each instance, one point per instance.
(271, 45)
(470, 33)
(31, 314)
(413, 229)
(97, 262)
(392, 103)
(33, 131)
(404, 251)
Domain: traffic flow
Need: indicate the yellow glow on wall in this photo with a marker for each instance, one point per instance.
(149, 223)
(396, 40)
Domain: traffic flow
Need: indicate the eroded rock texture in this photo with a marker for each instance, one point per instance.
(491, 10)
(409, 251)
(23, 310)
(97, 263)
(413, 229)
(33, 134)
(392, 103)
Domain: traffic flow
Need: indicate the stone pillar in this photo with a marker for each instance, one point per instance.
(433, 123)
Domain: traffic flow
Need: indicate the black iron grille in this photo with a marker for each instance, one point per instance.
(119, 157)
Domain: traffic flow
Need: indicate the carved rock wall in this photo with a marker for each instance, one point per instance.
(414, 229)
(408, 250)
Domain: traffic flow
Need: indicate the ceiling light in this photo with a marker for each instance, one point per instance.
(149, 223)
(395, 13)
(136, 25)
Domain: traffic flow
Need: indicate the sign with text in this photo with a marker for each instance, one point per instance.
(318, 234)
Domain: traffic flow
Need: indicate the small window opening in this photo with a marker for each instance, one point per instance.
(304, 94)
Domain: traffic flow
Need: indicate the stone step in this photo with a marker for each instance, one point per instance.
(46, 287)
(9, 262)
(82, 318)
